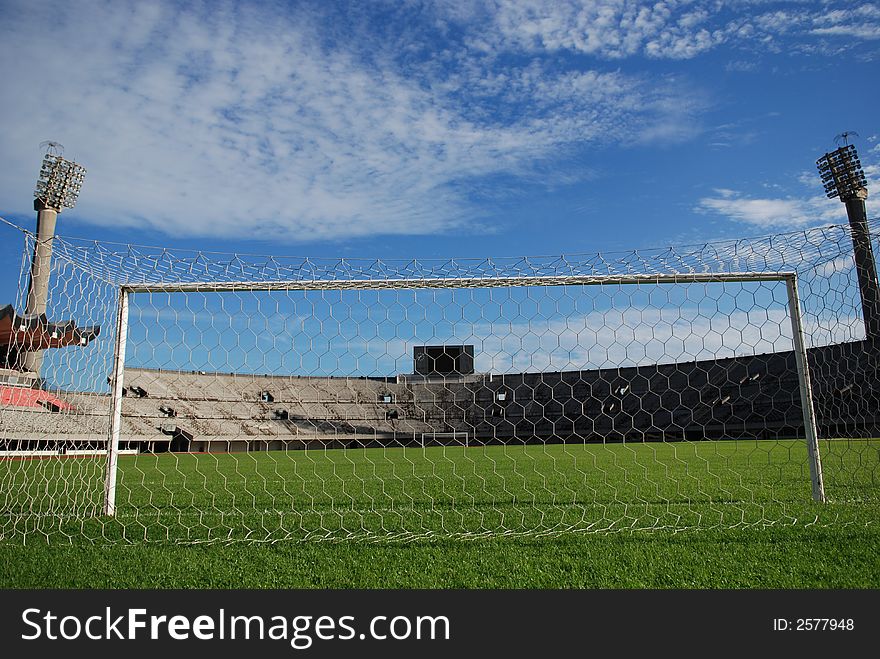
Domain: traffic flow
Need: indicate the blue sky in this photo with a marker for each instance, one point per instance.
(399, 129)
(435, 129)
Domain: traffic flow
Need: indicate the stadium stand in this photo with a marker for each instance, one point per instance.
(755, 397)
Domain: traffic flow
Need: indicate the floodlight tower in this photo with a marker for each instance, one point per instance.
(844, 178)
(57, 187)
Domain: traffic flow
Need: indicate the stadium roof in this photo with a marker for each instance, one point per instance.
(27, 332)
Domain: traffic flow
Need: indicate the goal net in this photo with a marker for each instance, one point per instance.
(445, 439)
(212, 397)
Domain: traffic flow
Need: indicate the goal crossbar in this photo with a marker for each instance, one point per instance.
(460, 282)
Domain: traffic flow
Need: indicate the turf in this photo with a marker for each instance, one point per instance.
(684, 515)
(778, 557)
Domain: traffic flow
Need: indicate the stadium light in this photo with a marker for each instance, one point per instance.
(59, 183)
(842, 174)
(58, 187)
(843, 177)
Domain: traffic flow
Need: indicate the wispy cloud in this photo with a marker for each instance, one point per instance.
(306, 121)
(810, 208)
(672, 29)
(608, 28)
(193, 121)
(771, 213)
(860, 22)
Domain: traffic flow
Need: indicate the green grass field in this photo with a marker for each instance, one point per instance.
(679, 515)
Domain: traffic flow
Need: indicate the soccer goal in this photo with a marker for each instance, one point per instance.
(231, 398)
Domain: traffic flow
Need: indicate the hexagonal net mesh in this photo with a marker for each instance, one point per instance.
(240, 397)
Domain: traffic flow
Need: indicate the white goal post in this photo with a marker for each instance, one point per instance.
(788, 278)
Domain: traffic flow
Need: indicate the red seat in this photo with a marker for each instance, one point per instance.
(25, 397)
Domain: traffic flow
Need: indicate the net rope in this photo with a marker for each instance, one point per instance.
(509, 399)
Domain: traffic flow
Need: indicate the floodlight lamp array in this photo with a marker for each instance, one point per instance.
(60, 182)
(842, 173)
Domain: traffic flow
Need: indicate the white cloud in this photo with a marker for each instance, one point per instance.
(741, 66)
(828, 269)
(671, 29)
(631, 336)
(812, 208)
(773, 213)
(861, 22)
(300, 123)
(857, 31)
(231, 120)
(607, 28)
